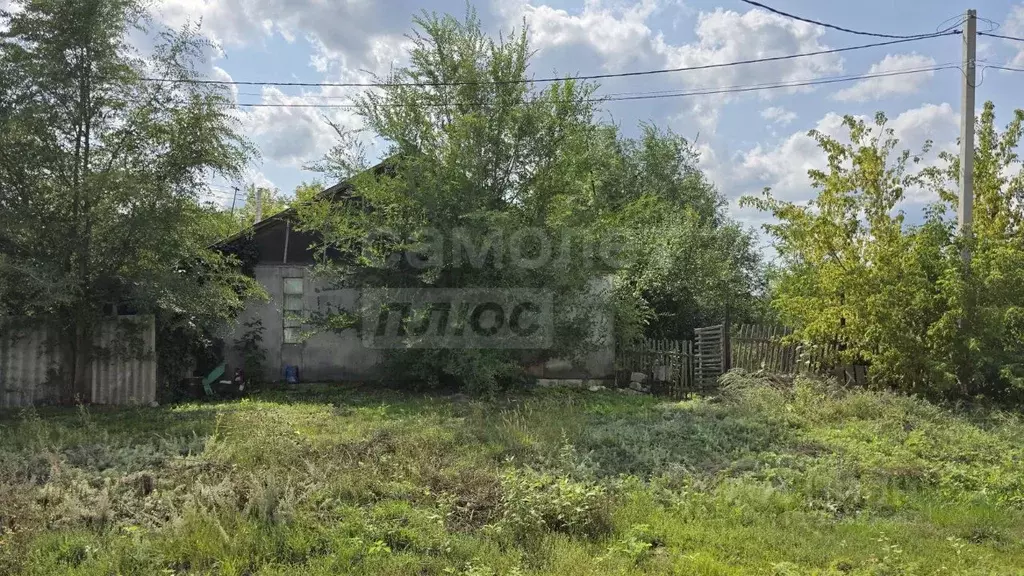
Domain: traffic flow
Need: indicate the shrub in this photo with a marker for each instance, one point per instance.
(868, 288)
(533, 502)
(250, 347)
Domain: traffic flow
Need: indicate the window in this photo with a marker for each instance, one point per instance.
(292, 310)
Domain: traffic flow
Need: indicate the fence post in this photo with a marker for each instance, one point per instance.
(726, 344)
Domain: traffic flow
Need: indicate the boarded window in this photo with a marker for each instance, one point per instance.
(292, 310)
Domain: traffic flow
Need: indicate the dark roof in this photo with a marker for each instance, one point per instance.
(339, 191)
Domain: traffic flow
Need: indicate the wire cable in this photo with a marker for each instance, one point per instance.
(839, 28)
(899, 40)
(1006, 68)
(1003, 36)
(629, 96)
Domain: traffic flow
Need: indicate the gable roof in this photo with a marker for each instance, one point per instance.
(339, 191)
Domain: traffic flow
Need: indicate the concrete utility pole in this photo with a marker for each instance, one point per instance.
(259, 203)
(965, 212)
(234, 196)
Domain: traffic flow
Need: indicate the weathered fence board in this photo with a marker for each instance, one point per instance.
(123, 370)
(666, 364)
(766, 348)
(709, 363)
(757, 347)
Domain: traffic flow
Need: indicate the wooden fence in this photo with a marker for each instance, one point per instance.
(711, 358)
(667, 366)
(755, 347)
(678, 368)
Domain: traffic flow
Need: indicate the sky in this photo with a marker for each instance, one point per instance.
(747, 141)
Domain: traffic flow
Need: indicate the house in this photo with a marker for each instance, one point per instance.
(280, 258)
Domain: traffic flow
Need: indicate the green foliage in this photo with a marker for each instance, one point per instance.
(684, 263)
(858, 280)
(636, 545)
(250, 347)
(771, 477)
(479, 158)
(270, 199)
(534, 502)
(100, 171)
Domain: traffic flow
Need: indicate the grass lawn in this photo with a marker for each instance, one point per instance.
(764, 478)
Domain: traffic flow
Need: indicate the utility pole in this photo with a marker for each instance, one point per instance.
(965, 212)
(234, 196)
(259, 204)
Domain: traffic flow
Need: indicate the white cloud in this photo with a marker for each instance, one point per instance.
(260, 180)
(341, 26)
(880, 87)
(614, 37)
(296, 135)
(7, 5)
(382, 53)
(1014, 26)
(349, 40)
(778, 115)
(727, 36)
(619, 34)
(622, 37)
(219, 73)
(784, 167)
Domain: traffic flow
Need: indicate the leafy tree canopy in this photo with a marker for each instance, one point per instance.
(100, 170)
(480, 157)
(865, 286)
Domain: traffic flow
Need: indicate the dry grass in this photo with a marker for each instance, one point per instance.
(765, 478)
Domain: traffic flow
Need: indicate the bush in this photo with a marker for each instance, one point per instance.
(533, 502)
(479, 371)
(868, 288)
(250, 347)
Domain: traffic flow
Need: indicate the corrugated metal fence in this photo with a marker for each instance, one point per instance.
(123, 369)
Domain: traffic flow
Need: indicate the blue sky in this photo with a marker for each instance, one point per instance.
(747, 141)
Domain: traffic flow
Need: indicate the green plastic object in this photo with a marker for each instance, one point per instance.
(212, 377)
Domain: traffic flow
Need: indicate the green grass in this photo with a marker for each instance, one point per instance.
(764, 478)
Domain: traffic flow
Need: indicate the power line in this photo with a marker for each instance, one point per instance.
(1003, 36)
(216, 194)
(627, 96)
(796, 84)
(899, 40)
(839, 28)
(612, 96)
(1006, 68)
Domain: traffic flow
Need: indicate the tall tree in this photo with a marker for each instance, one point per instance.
(860, 282)
(476, 155)
(481, 159)
(100, 169)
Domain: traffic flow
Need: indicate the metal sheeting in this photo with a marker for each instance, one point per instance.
(28, 354)
(125, 376)
(123, 370)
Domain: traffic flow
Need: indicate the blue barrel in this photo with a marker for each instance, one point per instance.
(291, 374)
